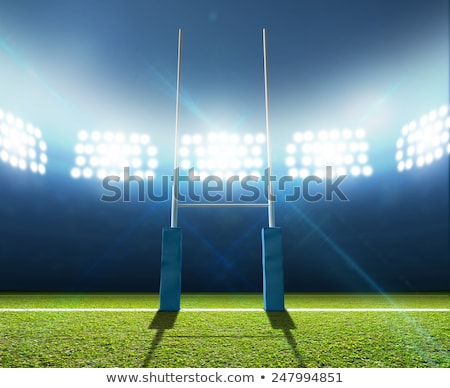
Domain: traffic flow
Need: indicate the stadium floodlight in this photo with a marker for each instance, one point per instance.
(222, 155)
(345, 151)
(21, 145)
(424, 141)
(100, 155)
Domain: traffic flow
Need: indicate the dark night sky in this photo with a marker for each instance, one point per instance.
(111, 65)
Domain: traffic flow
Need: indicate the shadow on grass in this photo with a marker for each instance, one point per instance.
(281, 320)
(162, 321)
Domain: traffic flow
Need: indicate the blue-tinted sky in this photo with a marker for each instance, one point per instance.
(111, 65)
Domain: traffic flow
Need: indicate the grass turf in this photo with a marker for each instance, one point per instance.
(224, 339)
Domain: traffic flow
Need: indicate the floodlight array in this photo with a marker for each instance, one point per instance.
(424, 141)
(344, 150)
(102, 154)
(223, 155)
(21, 144)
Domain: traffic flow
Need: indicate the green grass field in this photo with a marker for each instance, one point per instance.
(224, 338)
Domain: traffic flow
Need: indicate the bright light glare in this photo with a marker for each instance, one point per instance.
(136, 163)
(363, 159)
(223, 154)
(260, 138)
(152, 150)
(75, 173)
(256, 150)
(293, 172)
(96, 136)
(420, 161)
(145, 139)
(80, 160)
(424, 143)
(87, 172)
(21, 144)
(323, 135)
(347, 134)
(360, 133)
(290, 161)
(186, 140)
(82, 135)
(248, 139)
(290, 149)
(367, 170)
(308, 136)
(196, 139)
(298, 137)
(303, 173)
(185, 164)
(344, 150)
(355, 170)
(306, 160)
(408, 164)
(100, 154)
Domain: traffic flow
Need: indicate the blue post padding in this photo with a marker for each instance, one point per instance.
(170, 283)
(273, 277)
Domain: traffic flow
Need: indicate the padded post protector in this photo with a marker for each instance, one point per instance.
(272, 262)
(170, 282)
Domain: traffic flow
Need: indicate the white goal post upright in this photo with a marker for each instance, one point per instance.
(271, 208)
(176, 166)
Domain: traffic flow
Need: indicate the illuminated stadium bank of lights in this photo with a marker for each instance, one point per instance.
(222, 155)
(102, 154)
(424, 141)
(21, 144)
(344, 150)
